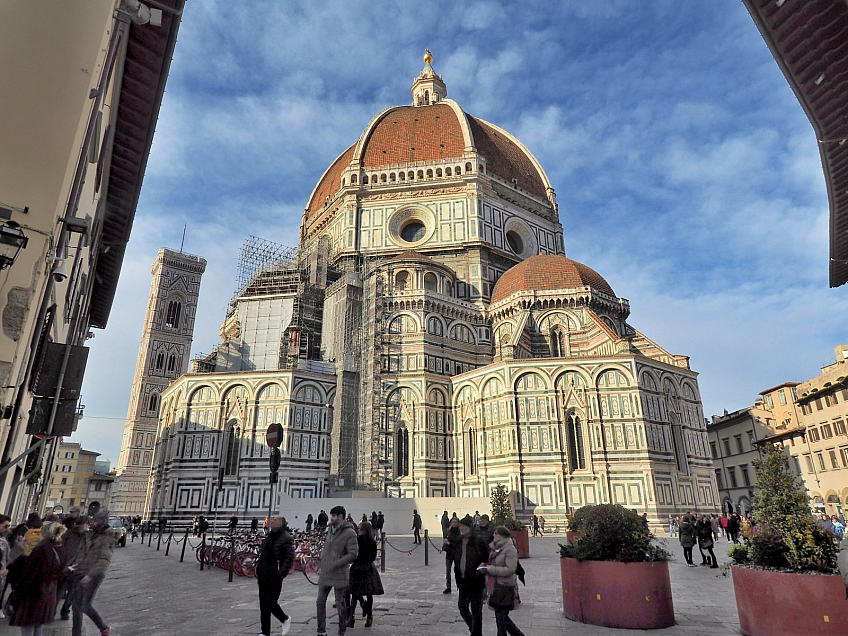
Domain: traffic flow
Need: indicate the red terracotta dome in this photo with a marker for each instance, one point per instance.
(545, 272)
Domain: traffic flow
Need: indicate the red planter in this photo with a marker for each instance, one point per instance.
(571, 537)
(612, 594)
(780, 604)
(522, 543)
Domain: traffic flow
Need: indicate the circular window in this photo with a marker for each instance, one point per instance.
(413, 231)
(515, 242)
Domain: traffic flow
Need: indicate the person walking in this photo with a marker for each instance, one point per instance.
(374, 521)
(73, 540)
(232, 526)
(688, 536)
(733, 526)
(365, 581)
(322, 521)
(671, 528)
(501, 582)
(94, 557)
(469, 553)
(42, 573)
(445, 521)
(714, 522)
(309, 522)
(340, 550)
(416, 527)
(452, 536)
(273, 564)
(254, 525)
(33, 535)
(704, 528)
(486, 530)
(381, 521)
(534, 525)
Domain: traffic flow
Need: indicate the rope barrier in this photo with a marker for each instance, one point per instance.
(438, 549)
(407, 552)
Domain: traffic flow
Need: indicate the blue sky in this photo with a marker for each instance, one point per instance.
(686, 172)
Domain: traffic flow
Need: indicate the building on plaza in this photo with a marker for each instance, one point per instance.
(429, 338)
(808, 419)
(72, 479)
(163, 355)
(82, 87)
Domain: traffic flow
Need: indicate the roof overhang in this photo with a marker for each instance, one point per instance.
(146, 64)
(809, 41)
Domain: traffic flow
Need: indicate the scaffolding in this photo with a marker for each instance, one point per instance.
(259, 261)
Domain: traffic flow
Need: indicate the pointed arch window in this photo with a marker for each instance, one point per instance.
(172, 363)
(557, 343)
(471, 451)
(576, 444)
(401, 452)
(232, 450)
(160, 361)
(153, 403)
(172, 318)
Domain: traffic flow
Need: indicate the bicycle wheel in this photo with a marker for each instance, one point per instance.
(246, 563)
(309, 567)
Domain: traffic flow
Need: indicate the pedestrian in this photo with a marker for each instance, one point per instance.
(33, 535)
(445, 521)
(486, 530)
(309, 522)
(374, 520)
(71, 517)
(688, 536)
(195, 525)
(469, 552)
(5, 530)
(476, 517)
(645, 524)
(42, 572)
(365, 581)
(671, 529)
(714, 522)
(322, 520)
(254, 525)
(364, 519)
(233, 524)
(203, 524)
(501, 582)
(452, 537)
(340, 550)
(838, 527)
(73, 540)
(704, 528)
(416, 527)
(94, 558)
(534, 525)
(542, 524)
(381, 521)
(733, 526)
(16, 559)
(276, 556)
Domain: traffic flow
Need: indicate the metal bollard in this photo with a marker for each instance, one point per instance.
(232, 557)
(185, 543)
(168, 544)
(426, 547)
(202, 551)
(383, 554)
(149, 537)
(142, 535)
(159, 542)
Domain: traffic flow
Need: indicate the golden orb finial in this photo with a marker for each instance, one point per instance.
(428, 57)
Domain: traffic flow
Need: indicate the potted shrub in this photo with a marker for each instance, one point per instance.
(502, 516)
(615, 575)
(785, 577)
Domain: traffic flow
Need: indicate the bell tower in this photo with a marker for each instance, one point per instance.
(163, 355)
(428, 88)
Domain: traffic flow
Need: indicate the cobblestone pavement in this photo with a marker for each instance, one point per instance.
(147, 593)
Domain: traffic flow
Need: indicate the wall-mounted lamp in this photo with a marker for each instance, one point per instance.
(12, 241)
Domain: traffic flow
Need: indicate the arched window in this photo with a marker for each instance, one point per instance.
(365, 179)
(438, 172)
(153, 403)
(557, 340)
(353, 178)
(160, 361)
(232, 450)
(447, 172)
(172, 363)
(172, 319)
(431, 283)
(434, 326)
(468, 167)
(429, 174)
(576, 448)
(402, 280)
(420, 174)
(457, 171)
(426, 97)
(401, 452)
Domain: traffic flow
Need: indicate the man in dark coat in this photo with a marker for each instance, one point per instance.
(486, 530)
(381, 521)
(322, 521)
(416, 527)
(468, 553)
(452, 537)
(273, 564)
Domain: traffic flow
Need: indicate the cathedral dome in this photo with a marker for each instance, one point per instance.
(434, 130)
(545, 272)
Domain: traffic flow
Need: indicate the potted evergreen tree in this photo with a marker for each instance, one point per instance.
(502, 516)
(615, 575)
(785, 577)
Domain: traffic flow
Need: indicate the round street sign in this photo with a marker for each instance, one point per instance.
(274, 435)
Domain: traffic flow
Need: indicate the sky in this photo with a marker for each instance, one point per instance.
(685, 170)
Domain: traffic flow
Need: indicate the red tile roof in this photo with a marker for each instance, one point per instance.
(545, 272)
(330, 182)
(415, 133)
(505, 158)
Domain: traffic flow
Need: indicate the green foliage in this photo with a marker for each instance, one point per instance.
(612, 533)
(501, 507)
(738, 553)
(786, 535)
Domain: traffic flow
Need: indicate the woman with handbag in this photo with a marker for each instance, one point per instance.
(365, 581)
(501, 583)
